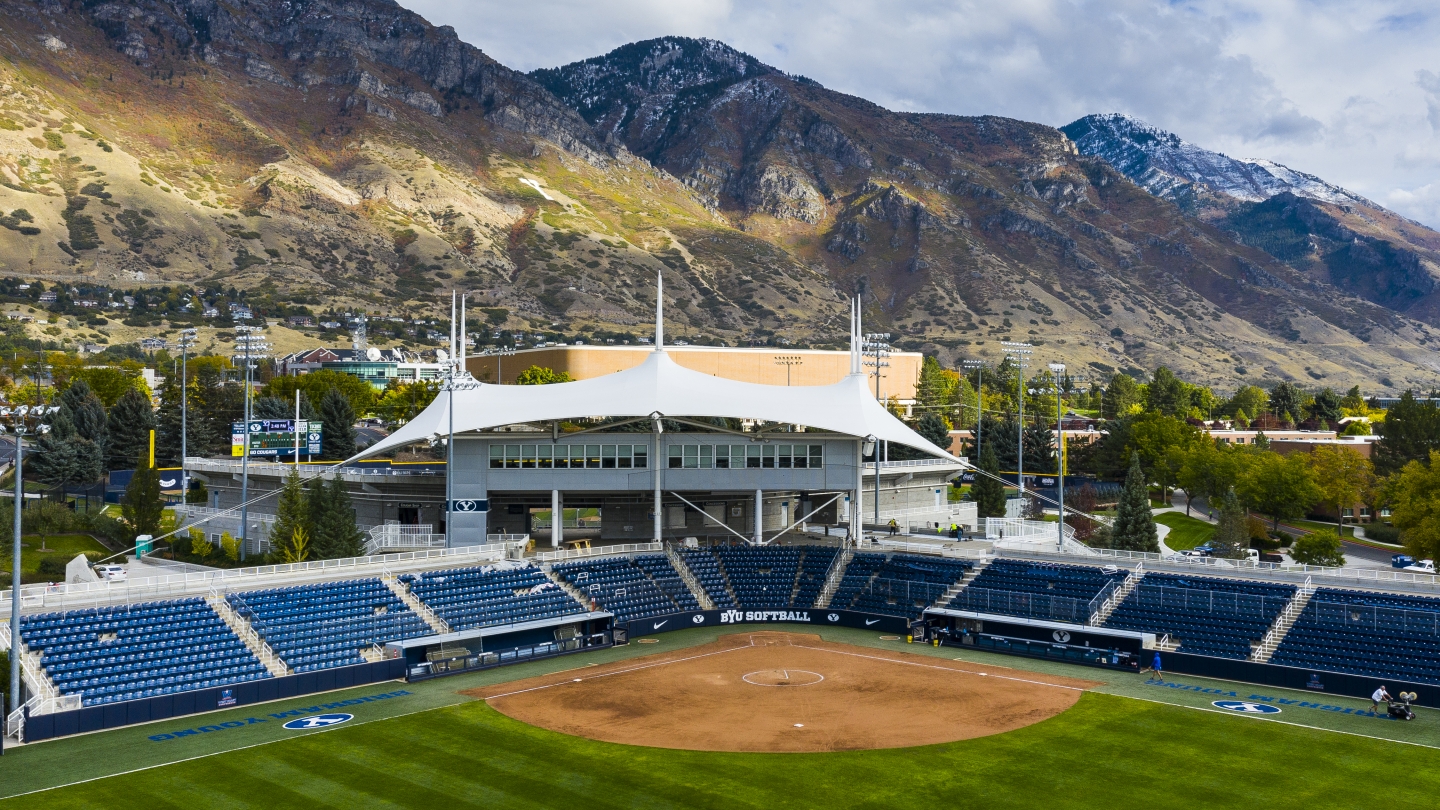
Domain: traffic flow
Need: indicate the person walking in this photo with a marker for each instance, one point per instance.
(1379, 695)
(894, 527)
(1156, 673)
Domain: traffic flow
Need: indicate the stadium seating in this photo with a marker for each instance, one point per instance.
(815, 562)
(627, 587)
(900, 585)
(1209, 615)
(491, 595)
(125, 653)
(1381, 634)
(706, 569)
(327, 624)
(1074, 585)
(761, 577)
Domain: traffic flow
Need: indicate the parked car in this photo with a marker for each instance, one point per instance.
(111, 573)
(1422, 567)
(1272, 557)
(1205, 549)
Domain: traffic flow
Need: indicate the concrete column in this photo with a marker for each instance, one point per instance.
(655, 462)
(858, 509)
(557, 518)
(759, 516)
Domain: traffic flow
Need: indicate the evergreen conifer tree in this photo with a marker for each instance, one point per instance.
(142, 508)
(337, 416)
(129, 424)
(292, 521)
(989, 494)
(1232, 535)
(1134, 528)
(335, 533)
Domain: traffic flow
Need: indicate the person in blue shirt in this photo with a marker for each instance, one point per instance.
(1155, 671)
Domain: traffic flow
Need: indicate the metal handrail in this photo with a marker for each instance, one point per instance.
(599, 551)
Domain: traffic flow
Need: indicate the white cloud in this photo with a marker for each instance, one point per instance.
(1347, 91)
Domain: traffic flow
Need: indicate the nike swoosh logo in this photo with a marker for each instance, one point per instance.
(869, 622)
(659, 625)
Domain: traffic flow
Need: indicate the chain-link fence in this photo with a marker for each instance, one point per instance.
(1197, 600)
(1375, 618)
(1018, 603)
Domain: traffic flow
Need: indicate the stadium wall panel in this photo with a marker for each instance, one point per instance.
(114, 715)
(1306, 680)
(806, 618)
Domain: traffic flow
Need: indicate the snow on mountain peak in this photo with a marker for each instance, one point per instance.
(1168, 166)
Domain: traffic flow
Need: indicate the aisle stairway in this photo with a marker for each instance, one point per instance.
(1283, 623)
(954, 590)
(1103, 612)
(832, 580)
(240, 627)
(678, 563)
(414, 603)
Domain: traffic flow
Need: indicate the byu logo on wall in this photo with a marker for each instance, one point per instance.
(1246, 707)
(1061, 636)
(318, 721)
(698, 618)
(834, 617)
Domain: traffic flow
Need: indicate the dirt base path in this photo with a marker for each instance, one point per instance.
(784, 692)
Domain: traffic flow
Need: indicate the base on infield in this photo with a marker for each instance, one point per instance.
(854, 698)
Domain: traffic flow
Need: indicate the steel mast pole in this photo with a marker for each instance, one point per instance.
(1058, 369)
(15, 575)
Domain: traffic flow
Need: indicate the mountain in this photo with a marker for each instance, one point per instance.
(1315, 226)
(1167, 166)
(350, 152)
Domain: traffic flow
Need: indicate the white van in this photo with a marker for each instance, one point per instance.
(111, 572)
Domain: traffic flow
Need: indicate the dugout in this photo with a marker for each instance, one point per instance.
(485, 647)
(1036, 638)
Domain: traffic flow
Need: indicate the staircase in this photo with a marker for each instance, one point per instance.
(678, 563)
(413, 602)
(1102, 613)
(575, 593)
(725, 578)
(833, 577)
(1166, 643)
(373, 654)
(954, 590)
(1283, 623)
(242, 628)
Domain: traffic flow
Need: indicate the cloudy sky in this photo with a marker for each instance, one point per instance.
(1349, 91)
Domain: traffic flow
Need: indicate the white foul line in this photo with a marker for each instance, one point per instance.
(947, 669)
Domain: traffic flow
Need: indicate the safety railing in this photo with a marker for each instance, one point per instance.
(1017, 603)
(87, 594)
(599, 551)
(1203, 600)
(1375, 618)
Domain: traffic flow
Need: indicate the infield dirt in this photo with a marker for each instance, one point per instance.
(784, 692)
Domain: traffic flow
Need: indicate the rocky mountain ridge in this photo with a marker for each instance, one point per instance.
(351, 153)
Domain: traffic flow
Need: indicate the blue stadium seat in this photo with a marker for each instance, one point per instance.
(1208, 615)
(631, 588)
(327, 624)
(112, 654)
(897, 584)
(491, 595)
(1384, 635)
(1070, 583)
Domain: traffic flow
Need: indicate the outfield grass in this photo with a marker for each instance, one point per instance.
(1106, 751)
(1185, 532)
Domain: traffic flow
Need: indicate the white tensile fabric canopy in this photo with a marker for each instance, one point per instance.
(660, 386)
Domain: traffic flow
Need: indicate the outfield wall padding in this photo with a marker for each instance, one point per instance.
(811, 618)
(114, 715)
(1305, 680)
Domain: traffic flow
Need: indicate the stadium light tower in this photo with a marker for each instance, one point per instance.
(977, 366)
(1058, 370)
(187, 340)
(33, 420)
(251, 345)
(1019, 354)
(789, 361)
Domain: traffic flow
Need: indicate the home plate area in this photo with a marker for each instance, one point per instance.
(791, 692)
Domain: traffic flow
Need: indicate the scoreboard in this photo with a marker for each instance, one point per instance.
(275, 437)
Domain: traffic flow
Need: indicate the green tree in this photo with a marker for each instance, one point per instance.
(337, 419)
(1208, 471)
(332, 516)
(1345, 477)
(935, 390)
(1282, 487)
(988, 492)
(317, 385)
(1285, 400)
(1415, 506)
(402, 402)
(142, 507)
(214, 408)
(63, 457)
(540, 375)
(1167, 394)
(110, 383)
(1120, 395)
(1325, 406)
(292, 518)
(1232, 534)
(966, 404)
(1318, 548)
(1410, 432)
(1134, 528)
(1250, 399)
(129, 424)
(1353, 404)
(933, 428)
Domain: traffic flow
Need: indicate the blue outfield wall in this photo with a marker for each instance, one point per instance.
(1318, 681)
(114, 715)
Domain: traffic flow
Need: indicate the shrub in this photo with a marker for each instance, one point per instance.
(1381, 533)
(1318, 548)
(52, 568)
